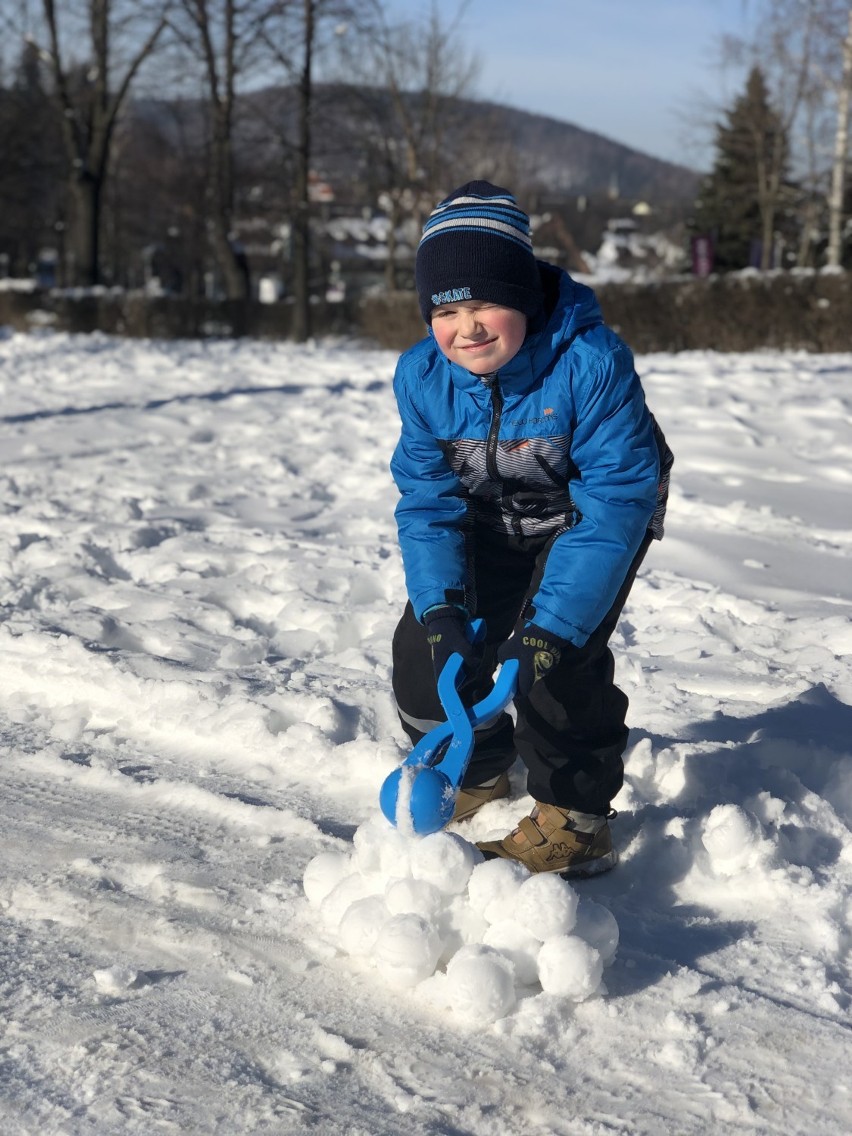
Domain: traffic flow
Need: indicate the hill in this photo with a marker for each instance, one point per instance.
(564, 158)
(577, 183)
(541, 153)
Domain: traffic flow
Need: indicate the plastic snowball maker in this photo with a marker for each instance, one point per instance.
(421, 793)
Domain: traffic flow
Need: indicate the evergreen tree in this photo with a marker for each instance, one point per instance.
(30, 170)
(740, 201)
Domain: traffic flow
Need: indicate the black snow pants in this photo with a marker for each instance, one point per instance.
(570, 733)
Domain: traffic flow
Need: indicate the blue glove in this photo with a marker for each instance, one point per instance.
(537, 651)
(447, 635)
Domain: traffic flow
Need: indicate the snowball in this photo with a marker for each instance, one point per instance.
(445, 860)
(322, 873)
(350, 889)
(416, 896)
(432, 992)
(546, 905)
(732, 838)
(459, 925)
(407, 950)
(361, 925)
(367, 844)
(115, 979)
(492, 887)
(379, 847)
(518, 945)
(480, 985)
(569, 967)
(462, 932)
(597, 925)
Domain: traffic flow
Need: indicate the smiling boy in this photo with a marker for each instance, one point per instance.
(532, 479)
(481, 337)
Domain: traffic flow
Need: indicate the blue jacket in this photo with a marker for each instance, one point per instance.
(559, 445)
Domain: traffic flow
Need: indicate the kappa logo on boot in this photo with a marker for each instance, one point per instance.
(562, 851)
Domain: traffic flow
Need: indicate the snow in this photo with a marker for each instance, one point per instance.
(13, 284)
(208, 926)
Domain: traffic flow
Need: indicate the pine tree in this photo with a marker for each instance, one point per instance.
(30, 172)
(740, 201)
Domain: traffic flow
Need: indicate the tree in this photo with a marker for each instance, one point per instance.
(91, 98)
(409, 79)
(804, 48)
(297, 61)
(301, 221)
(219, 34)
(155, 232)
(294, 41)
(31, 172)
(836, 195)
(741, 199)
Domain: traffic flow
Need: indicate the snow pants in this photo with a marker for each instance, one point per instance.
(570, 733)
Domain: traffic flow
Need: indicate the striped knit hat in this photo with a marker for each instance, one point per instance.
(476, 245)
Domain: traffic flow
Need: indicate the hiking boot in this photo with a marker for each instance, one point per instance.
(554, 840)
(470, 801)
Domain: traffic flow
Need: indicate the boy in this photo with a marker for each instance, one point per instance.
(532, 480)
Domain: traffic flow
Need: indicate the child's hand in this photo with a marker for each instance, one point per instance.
(447, 635)
(537, 652)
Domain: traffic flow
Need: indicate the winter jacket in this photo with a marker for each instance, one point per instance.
(558, 446)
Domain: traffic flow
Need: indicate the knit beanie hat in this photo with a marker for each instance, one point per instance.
(476, 245)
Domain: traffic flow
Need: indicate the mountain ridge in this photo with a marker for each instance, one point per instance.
(593, 163)
(545, 154)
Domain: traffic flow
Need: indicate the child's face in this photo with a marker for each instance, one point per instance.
(480, 337)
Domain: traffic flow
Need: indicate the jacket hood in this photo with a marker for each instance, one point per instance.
(568, 308)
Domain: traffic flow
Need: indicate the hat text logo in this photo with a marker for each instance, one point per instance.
(451, 297)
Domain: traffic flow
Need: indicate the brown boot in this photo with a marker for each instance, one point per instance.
(548, 841)
(470, 801)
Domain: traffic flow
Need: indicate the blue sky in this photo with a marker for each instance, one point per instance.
(642, 72)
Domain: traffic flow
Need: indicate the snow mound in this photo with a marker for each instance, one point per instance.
(733, 840)
(466, 934)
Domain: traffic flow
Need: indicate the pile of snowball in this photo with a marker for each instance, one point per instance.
(464, 933)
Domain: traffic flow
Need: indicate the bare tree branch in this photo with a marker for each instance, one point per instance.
(89, 116)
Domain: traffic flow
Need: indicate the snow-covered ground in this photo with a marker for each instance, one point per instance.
(199, 581)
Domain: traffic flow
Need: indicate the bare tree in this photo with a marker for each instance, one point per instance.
(301, 221)
(836, 196)
(224, 37)
(295, 38)
(91, 96)
(409, 77)
(825, 27)
(291, 40)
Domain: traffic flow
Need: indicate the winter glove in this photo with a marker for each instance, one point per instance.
(537, 652)
(446, 628)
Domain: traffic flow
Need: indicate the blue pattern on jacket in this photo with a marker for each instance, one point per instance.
(573, 382)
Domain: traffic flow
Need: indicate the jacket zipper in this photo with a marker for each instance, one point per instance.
(491, 449)
(494, 429)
